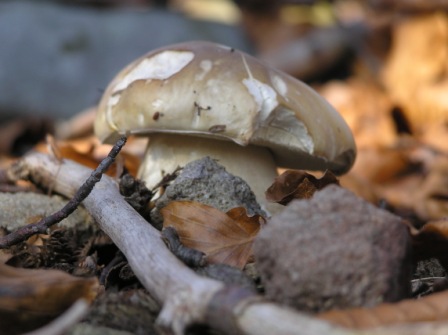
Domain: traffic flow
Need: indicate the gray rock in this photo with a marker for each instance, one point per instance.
(57, 60)
(206, 181)
(334, 251)
(20, 209)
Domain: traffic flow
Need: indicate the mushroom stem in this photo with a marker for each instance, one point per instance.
(166, 152)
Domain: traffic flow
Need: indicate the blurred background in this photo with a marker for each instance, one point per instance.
(56, 57)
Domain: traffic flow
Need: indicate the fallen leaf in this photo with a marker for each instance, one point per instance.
(88, 152)
(29, 298)
(367, 110)
(430, 308)
(293, 184)
(419, 84)
(224, 237)
(381, 164)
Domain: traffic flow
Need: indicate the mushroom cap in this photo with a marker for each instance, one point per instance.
(210, 90)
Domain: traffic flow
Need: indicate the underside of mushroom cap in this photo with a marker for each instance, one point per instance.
(210, 90)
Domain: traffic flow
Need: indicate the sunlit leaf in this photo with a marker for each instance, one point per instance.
(88, 152)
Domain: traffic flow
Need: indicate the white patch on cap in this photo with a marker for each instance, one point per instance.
(113, 100)
(160, 66)
(205, 66)
(280, 85)
(264, 96)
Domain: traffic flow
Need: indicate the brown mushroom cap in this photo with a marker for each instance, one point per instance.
(210, 90)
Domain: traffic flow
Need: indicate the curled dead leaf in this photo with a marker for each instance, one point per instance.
(293, 184)
(224, 237)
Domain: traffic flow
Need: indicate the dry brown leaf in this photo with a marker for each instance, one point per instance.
(367, 110)
(224, 237)
(419, 83)
(30, 298)
(88, 152)
(381, 164)
(293, 184)
(429, 308)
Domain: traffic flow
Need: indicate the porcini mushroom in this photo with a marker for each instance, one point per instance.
(199, 99)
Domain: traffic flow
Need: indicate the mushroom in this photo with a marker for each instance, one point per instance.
(199, 99)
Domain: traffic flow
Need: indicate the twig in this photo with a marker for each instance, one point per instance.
(191, 257)
(42, 226)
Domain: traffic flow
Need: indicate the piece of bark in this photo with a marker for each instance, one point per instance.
(186, 297)
(334, 251)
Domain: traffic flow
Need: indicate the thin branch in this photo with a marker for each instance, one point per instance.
(41, 227)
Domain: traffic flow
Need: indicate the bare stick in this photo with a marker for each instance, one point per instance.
(185, 296)
(42, 226)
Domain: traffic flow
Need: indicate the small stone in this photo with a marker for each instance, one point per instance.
(19, 209)
(334, 250)
(207, 182)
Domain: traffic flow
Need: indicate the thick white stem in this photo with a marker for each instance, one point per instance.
(166, 152)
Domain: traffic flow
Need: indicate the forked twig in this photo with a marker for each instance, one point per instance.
(42, 225)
